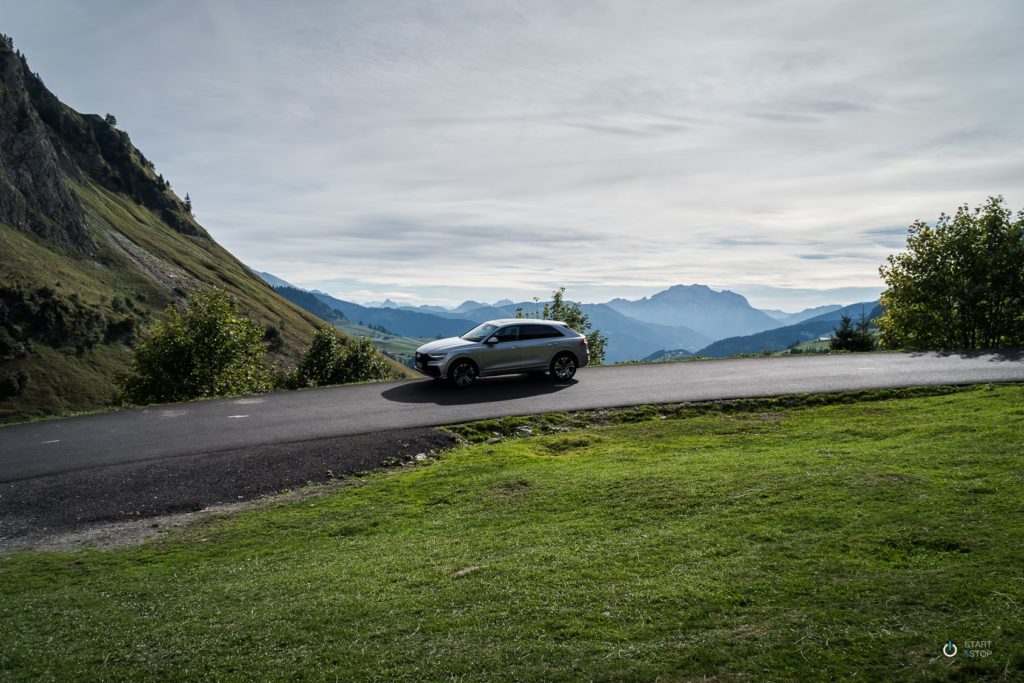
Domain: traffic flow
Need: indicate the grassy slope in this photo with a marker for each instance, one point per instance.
(63, 381)
(847, 540)
(401, 348)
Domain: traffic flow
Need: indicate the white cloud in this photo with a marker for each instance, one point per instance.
(446, 149)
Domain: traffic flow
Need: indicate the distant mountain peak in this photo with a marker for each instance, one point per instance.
(468, 305)
(716, 314)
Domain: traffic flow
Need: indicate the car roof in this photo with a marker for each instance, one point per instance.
(524, 321)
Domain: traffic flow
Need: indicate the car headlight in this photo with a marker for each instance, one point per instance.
(436, 356)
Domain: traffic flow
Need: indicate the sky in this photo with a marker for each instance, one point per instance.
(431, 152)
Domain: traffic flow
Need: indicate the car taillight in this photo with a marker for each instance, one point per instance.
(583, 341)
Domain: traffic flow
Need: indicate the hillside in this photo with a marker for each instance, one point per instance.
(806, 314)
(95, 244)
(782, 337)
(809, 313)
(308, 302)
(711, 313)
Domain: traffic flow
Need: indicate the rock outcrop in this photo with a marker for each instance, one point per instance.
(34, 195)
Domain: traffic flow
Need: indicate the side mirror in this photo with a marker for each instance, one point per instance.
(491, 340)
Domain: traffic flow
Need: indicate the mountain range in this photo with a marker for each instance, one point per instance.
(782, 337)
(713, 314)
(94, 245)
(686, 319)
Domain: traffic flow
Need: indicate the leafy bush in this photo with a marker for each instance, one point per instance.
(273, 337)
(13, 385)
(46, 316)
(121, 330)
(958, 285)
(330, 360)
(207, 350)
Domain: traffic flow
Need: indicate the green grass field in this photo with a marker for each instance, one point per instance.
(812, 543)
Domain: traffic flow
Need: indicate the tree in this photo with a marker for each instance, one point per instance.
(110, 120)
(207, 350)
(851, 337)
(330, 360)
(571, 314)
(959, 284)
(188, 204)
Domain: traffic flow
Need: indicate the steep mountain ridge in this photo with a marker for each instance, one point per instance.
(93, 246)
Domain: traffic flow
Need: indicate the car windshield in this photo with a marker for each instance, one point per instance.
(480, 332)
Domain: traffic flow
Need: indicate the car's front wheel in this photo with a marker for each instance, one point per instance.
(462, 373)
(563, 367)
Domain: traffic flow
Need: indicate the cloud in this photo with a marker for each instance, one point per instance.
(506, 147)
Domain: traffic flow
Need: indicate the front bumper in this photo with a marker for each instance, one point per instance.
(427, 366)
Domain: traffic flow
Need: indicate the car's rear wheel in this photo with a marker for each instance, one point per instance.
(462, 373)
(563, 367)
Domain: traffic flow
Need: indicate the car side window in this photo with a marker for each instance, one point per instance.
(507, 334)
(537, 332)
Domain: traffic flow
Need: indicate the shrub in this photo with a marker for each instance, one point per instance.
(207, 350)
(851, 337)
(330, 360)
(273, 338)
(13, 385)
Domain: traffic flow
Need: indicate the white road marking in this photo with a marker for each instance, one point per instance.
(54, 441)
(236, 416)
(248, 401)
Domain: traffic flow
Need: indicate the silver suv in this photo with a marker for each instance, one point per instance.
(502, 347)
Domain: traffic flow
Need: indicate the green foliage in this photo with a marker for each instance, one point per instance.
(13, 385)
(852, 337)
(361, 363)
(110, 120)
(960, 284)
(44, 315)
(316, 368)
(208, 350)
(571, 314)
(273, 338)
(331, 360)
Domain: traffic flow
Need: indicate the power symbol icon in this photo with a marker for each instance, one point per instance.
(949, 649)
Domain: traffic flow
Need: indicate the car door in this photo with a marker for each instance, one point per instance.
(536, 345)
(503, 352)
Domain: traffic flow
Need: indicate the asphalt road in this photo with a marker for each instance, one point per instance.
(208, 427)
